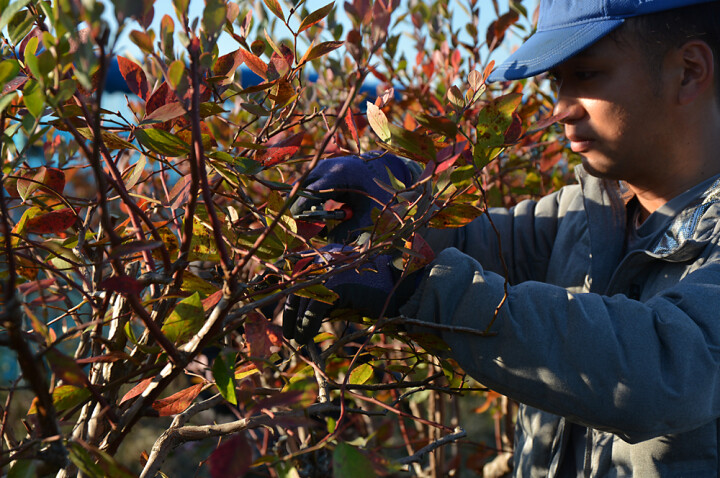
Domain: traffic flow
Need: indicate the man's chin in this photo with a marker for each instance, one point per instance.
(597, 170)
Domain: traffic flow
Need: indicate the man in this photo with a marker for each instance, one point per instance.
(610, 334)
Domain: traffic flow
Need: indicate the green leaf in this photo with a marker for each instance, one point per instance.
(111, 140)
(412, 144)
(186, 319)
(361, 374)
(315, 17)
(193, 283)
(455, 215)
(214, 16)
(181, 7)
(7, 99)
(162, 142)
(30, 59)
(493, 120)
(224, 379)
(318, 292)
(275, 7)
(175, 73)
(34, 98)
(10, 11)
(23, 469)
(95, 462)
(438, 124)
(19, 228)
(19, 29)
(65, 397)
(349, 462)
(210, 109)
(9, 69)
(84, 461)
(143, 40)
(378, 121)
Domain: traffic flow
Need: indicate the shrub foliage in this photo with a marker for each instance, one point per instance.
(146, 253)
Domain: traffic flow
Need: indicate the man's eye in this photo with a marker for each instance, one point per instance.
(585, 75)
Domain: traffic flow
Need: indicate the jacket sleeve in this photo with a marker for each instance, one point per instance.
(526, 232)
(636, 369)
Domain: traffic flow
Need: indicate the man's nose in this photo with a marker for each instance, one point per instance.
(569, 108)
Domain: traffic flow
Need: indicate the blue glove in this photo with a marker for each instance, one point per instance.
(351, 180)
(365, 291)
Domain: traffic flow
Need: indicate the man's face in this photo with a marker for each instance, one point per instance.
(619, 117)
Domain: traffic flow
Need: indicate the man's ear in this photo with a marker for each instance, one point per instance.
(698, 71)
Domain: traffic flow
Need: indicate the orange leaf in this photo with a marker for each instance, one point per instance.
(134, 76)
(177, 402)
(350, 122)
(136, 390)
(490, 398)
(255, 64)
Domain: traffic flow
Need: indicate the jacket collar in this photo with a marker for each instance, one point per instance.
(605, 203)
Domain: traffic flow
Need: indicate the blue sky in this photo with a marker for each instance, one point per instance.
(227, 44)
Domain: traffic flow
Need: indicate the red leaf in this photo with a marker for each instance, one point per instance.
(424, 254)
(107, 358)
(14, 84)
(446, 157)
(273, 156)
(121, 284)
(52, 178)
(350, 122)
(34, 286)
(256, 334)
(52, 222)
(308, 230)
(280, 151)
(544, 123)
(134, 77)
(45, 179)
(136, 390)
(177, 402)
(302, 264)
(232, 459)
(496, 30)
(514, 131)
(227, 64)
(159, 97)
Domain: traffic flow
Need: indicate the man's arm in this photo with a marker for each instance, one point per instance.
(524, 234)
(637, 369)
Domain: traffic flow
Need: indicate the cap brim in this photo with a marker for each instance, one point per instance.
(547, 49)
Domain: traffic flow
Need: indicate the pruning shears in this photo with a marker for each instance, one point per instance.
(320, 214)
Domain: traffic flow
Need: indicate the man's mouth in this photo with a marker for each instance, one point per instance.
(580, 144)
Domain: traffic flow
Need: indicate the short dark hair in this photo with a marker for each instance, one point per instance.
(660, 32)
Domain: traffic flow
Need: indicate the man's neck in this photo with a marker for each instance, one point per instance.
(651, 199)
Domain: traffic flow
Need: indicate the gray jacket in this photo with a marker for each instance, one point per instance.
(625, 344)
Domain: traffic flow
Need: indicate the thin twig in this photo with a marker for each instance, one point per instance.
(457, 434)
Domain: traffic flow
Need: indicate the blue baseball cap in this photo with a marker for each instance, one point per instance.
(566, 27)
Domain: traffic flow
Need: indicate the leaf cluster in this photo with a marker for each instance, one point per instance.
(147, 252)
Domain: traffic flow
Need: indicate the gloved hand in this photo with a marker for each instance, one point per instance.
(365, 290)
(351, 180)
